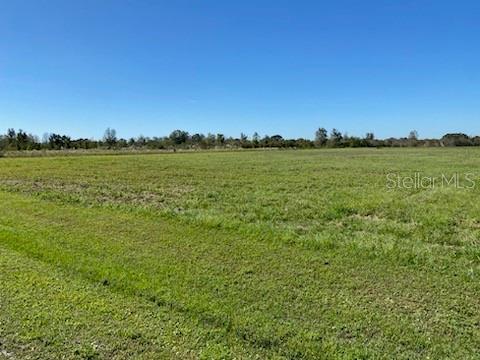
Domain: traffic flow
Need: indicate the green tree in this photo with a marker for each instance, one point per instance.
(220, 139)
(110, 137)
(178, 137)
(255, 139)
(335, 138)
(321, 137)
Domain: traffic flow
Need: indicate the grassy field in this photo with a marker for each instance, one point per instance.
(275, 254)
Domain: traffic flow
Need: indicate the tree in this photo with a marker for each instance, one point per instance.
(335, 138)
(456, 139)
(110, 137)
(197, 139)
(45, 139)
(11, 138)
(220, 140)
(243, 141)
(321, 137)
(178, 137)
(413, 138)
(413, 135)
(255, 139)
(11, 134)
(369, 139)
(276, 141)
(59, 142)
(22, 140)
(209, 140)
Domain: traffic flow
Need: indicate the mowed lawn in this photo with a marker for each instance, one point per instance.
(246, 255)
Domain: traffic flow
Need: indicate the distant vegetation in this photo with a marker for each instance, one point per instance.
(20, 140)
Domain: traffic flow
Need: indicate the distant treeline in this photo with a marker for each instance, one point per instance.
(20, 140)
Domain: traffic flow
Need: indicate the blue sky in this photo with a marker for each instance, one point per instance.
(276, 67)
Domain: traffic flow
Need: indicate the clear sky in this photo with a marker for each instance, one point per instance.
(276, 67)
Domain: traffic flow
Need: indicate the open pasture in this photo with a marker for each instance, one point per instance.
(251, 254)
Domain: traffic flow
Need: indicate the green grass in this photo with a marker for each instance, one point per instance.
(222, 255)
